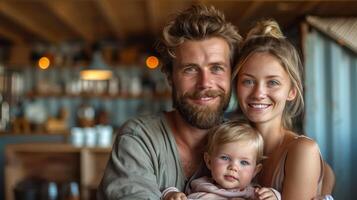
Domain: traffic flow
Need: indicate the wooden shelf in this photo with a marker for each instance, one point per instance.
(38, 133)
(103, 96)
(55, 162)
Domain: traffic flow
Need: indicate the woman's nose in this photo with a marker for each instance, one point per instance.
(259, 91)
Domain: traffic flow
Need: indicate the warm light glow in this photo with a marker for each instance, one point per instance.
(44, 62)
(152, 62)
(97, 75)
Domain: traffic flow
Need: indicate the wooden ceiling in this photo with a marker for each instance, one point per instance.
(55, 21)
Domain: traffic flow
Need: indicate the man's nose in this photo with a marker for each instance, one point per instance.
(205, 79)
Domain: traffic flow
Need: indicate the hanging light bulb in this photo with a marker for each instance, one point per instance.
(152, 62)
(44, 62)
(97, 70)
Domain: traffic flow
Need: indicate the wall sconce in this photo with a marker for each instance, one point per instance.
(98, 70)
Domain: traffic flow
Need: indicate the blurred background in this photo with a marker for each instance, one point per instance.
(73, 71)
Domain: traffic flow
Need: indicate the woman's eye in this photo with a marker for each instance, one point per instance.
(248, 82)
(273, 83)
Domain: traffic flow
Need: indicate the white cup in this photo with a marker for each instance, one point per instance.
(77, 137)
(90, 137)
(104, 135)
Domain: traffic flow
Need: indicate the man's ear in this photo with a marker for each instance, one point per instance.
(292, 94)
(258, 168)
(207, 159)
(169, 79)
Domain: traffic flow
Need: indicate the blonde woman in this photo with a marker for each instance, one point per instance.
(270, 95)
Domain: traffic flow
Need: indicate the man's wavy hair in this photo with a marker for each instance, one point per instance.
(196, 23)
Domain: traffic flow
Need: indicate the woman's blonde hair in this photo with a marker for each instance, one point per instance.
(196, 23)
(233, 131)
(266, 36)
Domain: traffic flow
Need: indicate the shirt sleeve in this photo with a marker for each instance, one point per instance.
(276, 193)
(130, 173)
(167, 191)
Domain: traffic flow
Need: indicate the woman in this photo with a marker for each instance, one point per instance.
(270, 95)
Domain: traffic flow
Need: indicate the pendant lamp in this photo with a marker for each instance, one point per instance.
(98, 70)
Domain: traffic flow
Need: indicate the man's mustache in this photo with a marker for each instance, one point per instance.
(206, 93)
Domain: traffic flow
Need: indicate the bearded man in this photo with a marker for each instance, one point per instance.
(152, 153)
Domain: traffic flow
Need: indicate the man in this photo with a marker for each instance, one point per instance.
(155, 152)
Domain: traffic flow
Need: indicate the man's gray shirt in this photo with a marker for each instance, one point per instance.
(144, 161)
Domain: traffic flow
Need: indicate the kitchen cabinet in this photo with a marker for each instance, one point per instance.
(55, 162)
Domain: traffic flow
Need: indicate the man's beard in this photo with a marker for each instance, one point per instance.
(201, 116)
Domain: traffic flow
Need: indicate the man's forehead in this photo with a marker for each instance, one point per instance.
(210, 50)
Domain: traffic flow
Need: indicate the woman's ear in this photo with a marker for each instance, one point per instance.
(207, 159)
(258, 168)
(292, 94)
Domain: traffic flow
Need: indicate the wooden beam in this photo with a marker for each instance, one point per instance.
(108, 12)
(252, 9)
(153, 15)
(308, 6)
(64, 11)
(26, 22)
(10, 35)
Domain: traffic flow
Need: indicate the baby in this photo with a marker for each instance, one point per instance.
(233, 155)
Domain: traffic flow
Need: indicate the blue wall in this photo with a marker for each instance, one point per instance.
(331, 107)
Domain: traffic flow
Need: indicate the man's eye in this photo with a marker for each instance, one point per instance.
(190, 70)
(217, 68)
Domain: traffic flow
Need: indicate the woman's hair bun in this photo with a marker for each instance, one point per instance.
(263, 28)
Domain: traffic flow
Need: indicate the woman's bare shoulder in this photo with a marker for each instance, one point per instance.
(300, 143)
(305, 145)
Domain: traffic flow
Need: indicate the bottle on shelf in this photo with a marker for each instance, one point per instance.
(70, 191)
(4, 114)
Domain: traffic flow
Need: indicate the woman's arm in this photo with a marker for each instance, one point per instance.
(328, 182)
(302, 170)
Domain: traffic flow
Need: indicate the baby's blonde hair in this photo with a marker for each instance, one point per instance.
(233, 131)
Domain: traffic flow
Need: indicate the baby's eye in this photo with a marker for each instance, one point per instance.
(224, 157)
(244, 163)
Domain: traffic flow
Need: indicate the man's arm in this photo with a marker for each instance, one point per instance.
(129, 173)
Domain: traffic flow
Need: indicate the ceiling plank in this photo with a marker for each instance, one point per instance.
(26, 22)
(64, 12)
(109, 14)
(10, 35)
(252, 9)
(153, 15)
(309, 6)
